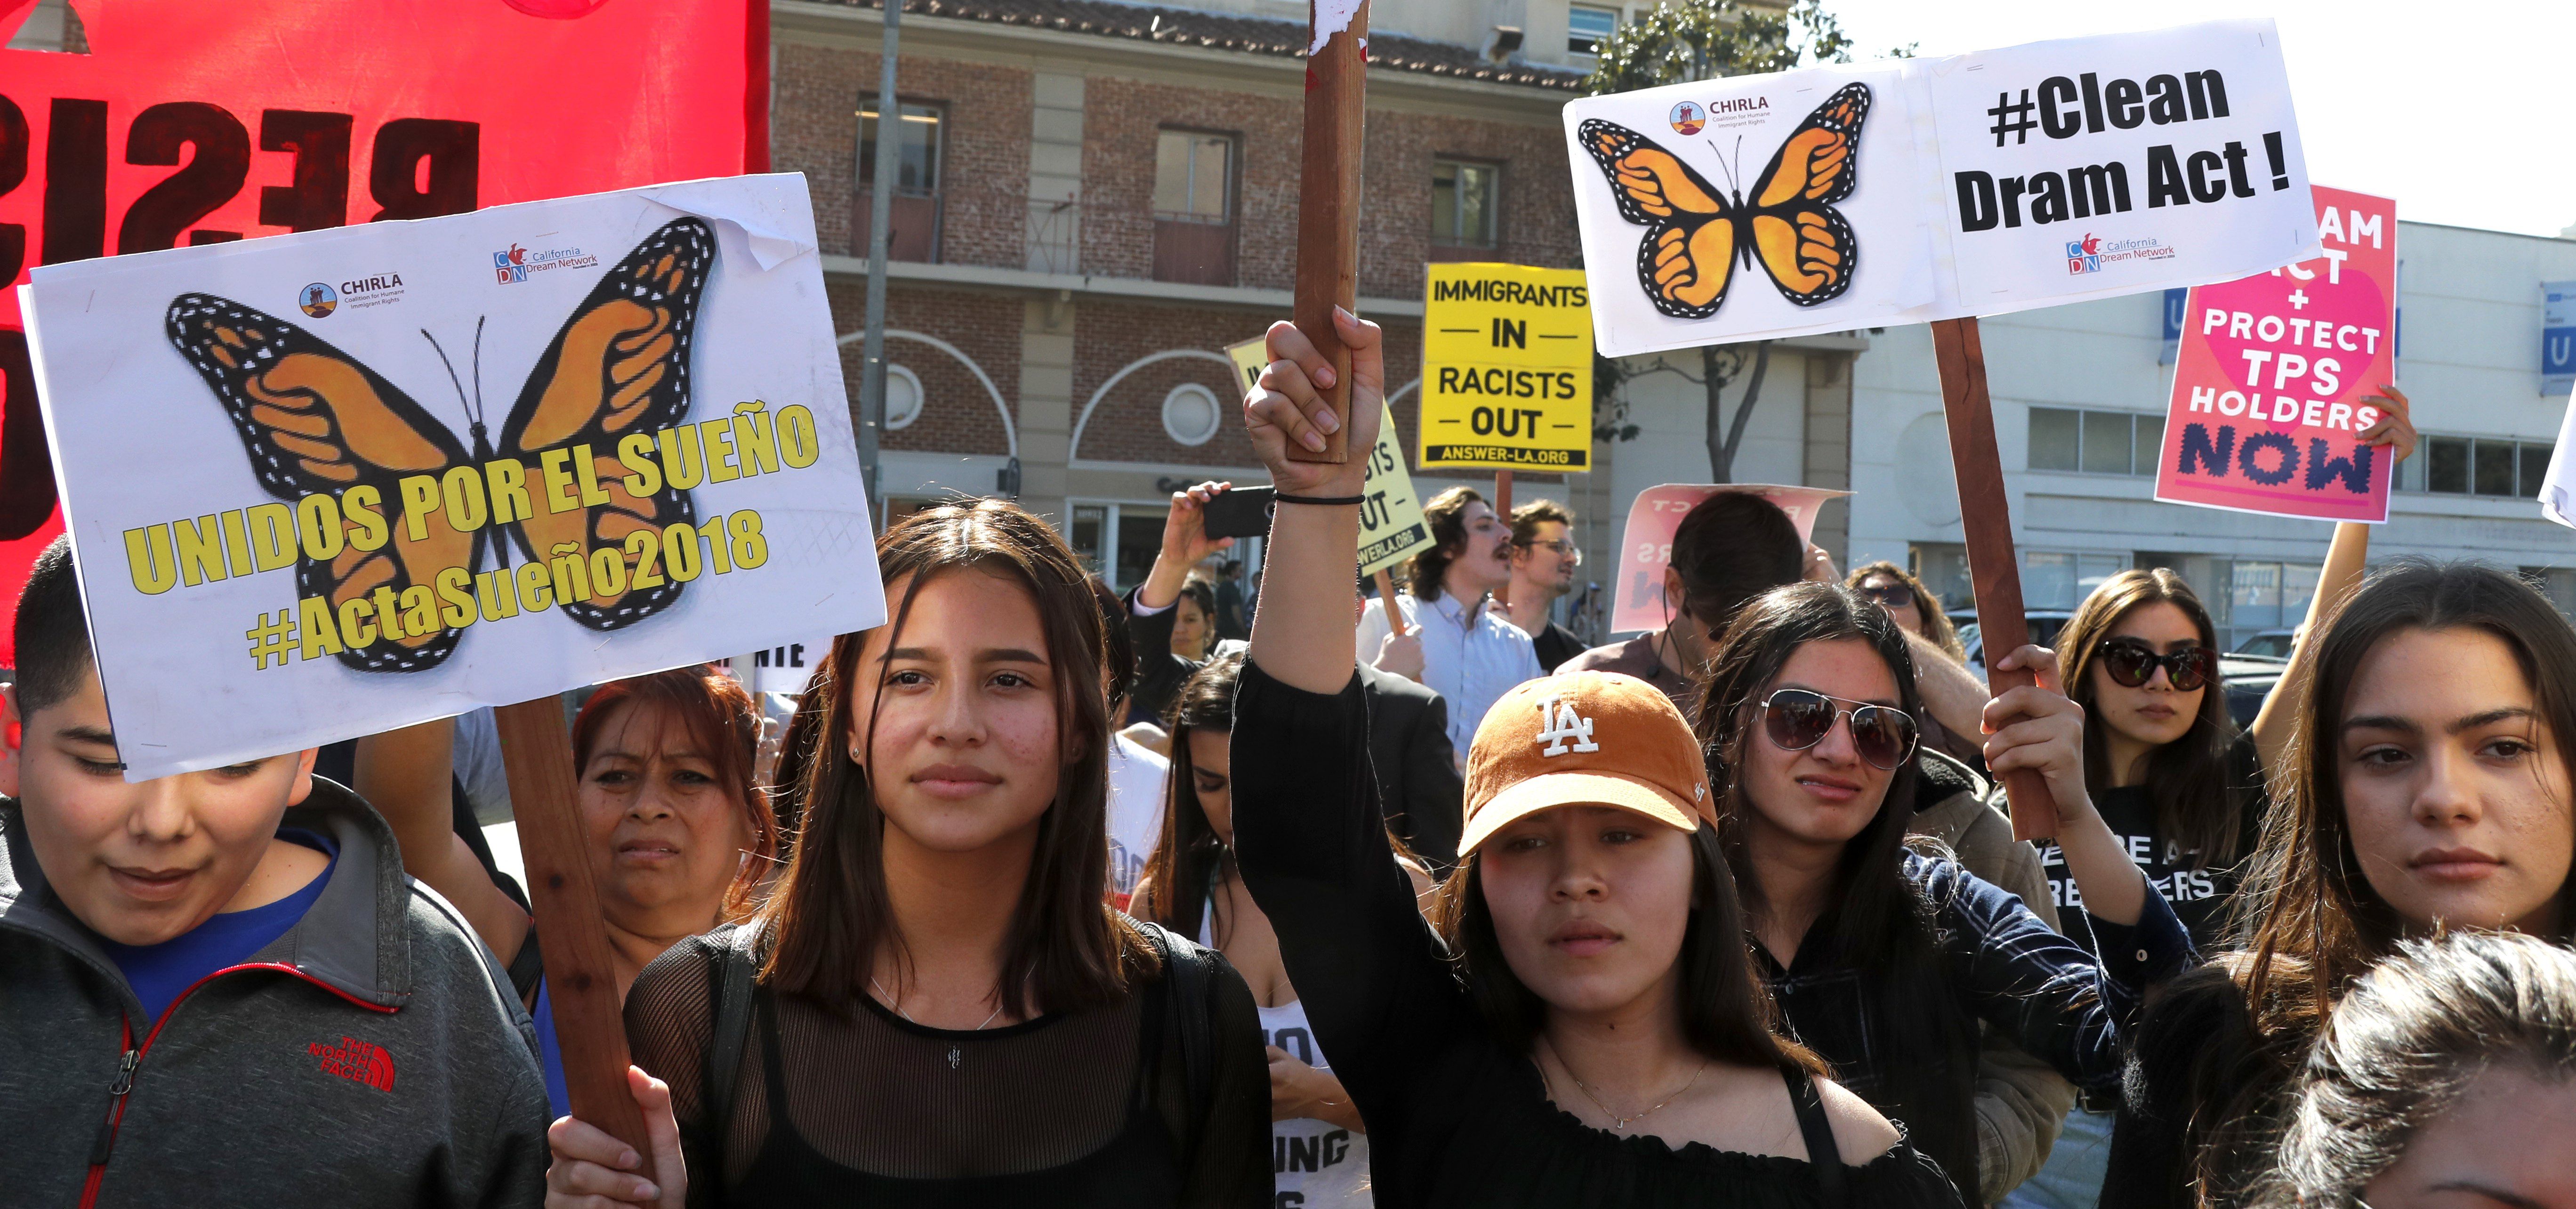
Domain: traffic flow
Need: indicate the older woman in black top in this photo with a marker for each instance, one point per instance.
(1584, 1028)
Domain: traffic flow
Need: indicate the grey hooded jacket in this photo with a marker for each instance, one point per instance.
(371, 1056)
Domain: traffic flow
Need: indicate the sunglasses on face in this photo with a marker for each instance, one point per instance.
(2132, 664)
(1796, 719)
(1889, 596)
(1573, 554)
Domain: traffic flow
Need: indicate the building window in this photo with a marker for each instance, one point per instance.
(916, 148)
(1118, 541)
(1191, 414)
(1194, 207)
(1193, 175)
(2476, 466)
(2269, 596)
(2446, 465)
(1090, 530)
(902, 397)
(1464, 201)
(914, 232)
(1586, 26)
(2095, 442)
(2055, 438)
(2107, 438)
(2053, 579)
(1943, 568)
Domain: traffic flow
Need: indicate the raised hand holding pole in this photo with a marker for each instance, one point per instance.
(1987, 518)
(1328, 201)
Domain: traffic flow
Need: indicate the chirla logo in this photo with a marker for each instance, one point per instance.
(1688, 118)
(2084, 255)
(318, 300)
(512, 265)
(357, 1061)
(1558, 723)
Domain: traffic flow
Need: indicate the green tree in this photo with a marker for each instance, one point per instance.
(1686, 40)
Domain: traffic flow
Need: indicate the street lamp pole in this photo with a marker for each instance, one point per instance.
(869, 420)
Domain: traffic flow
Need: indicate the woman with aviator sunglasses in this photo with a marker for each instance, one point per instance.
(1883, 960)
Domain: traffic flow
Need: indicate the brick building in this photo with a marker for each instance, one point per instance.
(1096, 198)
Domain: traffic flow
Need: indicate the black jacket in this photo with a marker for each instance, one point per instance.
(1159, 672)
(1418, 786)
(1419, 789)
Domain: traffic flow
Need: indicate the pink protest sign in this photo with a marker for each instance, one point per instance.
(1647, 547)
(2269, 389)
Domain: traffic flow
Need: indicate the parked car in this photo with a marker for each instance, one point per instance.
(2044, 625)
(2273, 644)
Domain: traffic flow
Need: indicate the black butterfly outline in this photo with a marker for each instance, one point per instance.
(298, 430)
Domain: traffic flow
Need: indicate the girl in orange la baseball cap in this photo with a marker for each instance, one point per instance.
(1582, 1026)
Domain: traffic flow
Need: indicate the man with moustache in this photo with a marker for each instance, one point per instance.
(1457, 642)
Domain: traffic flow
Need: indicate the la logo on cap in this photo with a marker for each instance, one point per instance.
(1558, 722)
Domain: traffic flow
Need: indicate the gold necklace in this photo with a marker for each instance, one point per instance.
(1617, 1121)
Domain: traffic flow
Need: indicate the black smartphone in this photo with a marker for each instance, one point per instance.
(1241, 512)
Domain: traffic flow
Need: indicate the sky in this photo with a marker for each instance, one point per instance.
(2463, 111)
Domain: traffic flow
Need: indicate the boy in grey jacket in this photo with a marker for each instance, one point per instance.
(219, 988)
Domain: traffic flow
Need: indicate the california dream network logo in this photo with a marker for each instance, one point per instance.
(514, 263)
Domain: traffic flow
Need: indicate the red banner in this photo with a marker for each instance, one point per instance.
(2267, 407)
(189, 122)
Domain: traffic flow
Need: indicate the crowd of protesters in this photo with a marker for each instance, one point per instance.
(1198, 896)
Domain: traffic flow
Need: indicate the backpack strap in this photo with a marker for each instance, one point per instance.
(1823, 1157)
(527, 969)
(1188, 972)
(732, 975)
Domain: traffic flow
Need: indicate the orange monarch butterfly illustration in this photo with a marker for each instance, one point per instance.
(1695, 232)
(316, 420)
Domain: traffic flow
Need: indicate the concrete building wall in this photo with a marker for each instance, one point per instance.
(2468, 358)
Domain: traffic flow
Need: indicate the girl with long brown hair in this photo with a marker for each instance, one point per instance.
(2174, 778)
(2426, 787)
(936, 1005)
(1882, 959)
(1581, 1025)
(1319, 1144)
(681, 839)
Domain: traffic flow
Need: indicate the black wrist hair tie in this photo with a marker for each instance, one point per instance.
(1327, 500)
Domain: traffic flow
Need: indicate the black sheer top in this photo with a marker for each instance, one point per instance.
(1094, 1107)
(1454, 1118)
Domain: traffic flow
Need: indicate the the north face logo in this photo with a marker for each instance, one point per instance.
(1557, 723)
(356, 1060)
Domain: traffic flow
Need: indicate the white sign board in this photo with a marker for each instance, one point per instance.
(2558, 483)
(324, 484)
(1864, 195)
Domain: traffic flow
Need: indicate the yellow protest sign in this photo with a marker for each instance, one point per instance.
(1391, 524)
(1506, 368)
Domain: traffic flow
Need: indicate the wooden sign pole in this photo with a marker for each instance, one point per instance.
(581, 981)
(1503, 513)
(1394, 611)
(1328, 201)
(1987, 517)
